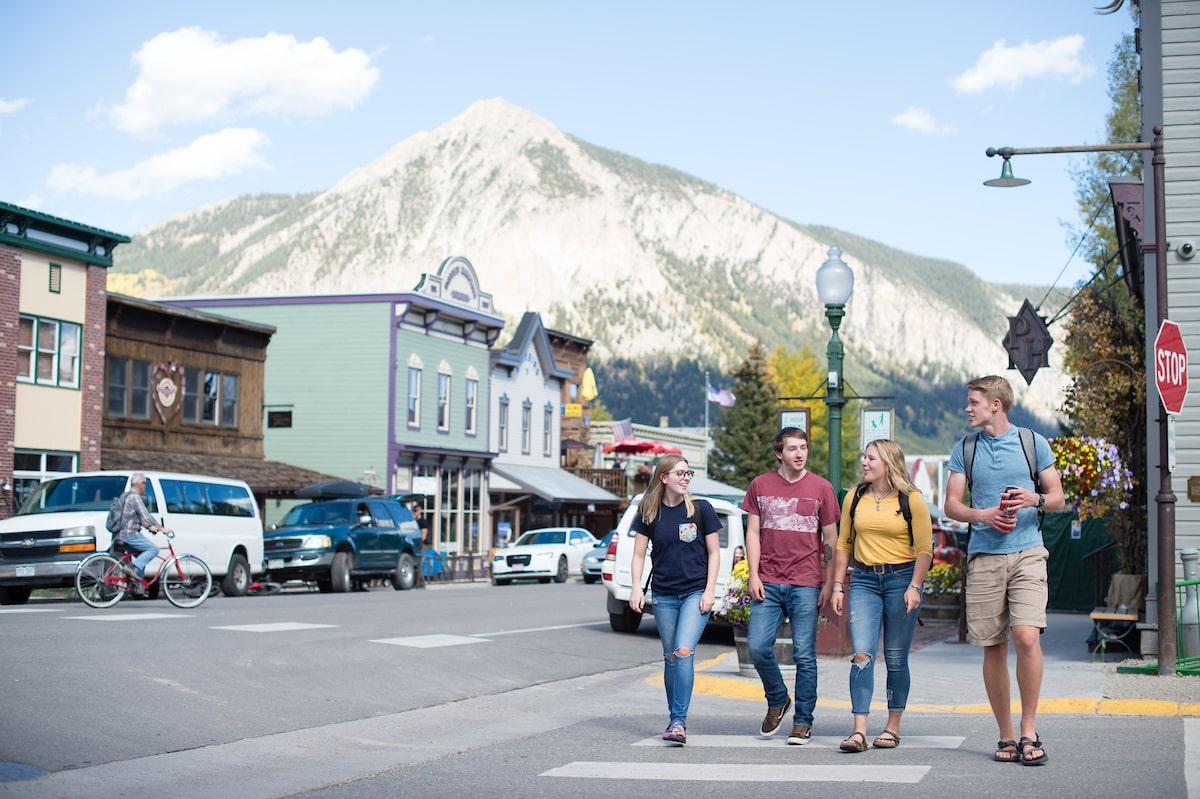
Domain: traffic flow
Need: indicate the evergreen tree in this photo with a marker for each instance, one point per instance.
(1106, 331)
(743, 437)
(798, 373)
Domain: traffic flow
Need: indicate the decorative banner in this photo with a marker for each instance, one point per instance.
(795, 417)
(877, 423)
(166, 384)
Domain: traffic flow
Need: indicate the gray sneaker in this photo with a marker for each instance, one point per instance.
(801, 734)
(774, 719)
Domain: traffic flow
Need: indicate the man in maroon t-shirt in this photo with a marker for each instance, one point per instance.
(790, 534)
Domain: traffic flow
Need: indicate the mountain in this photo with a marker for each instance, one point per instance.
(640, 257)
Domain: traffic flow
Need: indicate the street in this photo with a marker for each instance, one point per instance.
(522, 689)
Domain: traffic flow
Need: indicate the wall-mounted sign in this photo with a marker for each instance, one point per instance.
(166, 379)
(279, 418)
(425, 484)
(573, 410)
(877, 423)
(795, 417)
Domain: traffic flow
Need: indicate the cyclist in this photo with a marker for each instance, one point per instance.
(134, 517)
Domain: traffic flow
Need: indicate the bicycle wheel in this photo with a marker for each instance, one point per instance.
(185, 580)
(265, 588)
(100, 581)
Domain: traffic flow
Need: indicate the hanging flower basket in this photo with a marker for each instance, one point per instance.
(1095, 481)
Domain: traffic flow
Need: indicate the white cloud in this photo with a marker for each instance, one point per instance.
(12, 106)
(212, 156)
(190, 75)
(920, 120)
(1011, 66)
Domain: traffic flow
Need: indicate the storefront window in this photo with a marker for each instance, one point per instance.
(449, 508)
(472, 505)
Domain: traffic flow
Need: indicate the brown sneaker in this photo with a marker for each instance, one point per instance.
(801, 734)
(774, 719)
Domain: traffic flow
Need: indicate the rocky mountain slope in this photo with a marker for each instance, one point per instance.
(640, 257)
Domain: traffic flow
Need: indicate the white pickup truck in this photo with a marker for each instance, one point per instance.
(618, 580)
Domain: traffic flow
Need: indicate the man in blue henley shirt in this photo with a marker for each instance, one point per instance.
(1006, 561)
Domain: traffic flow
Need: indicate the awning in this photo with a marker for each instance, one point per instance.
(549, 483)
(266, 478)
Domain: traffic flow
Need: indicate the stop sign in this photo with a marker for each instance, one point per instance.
(1170, 367)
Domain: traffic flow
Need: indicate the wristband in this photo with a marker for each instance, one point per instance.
(838, 591)
(915, 587)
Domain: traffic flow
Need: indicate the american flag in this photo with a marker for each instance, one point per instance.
(622, 429)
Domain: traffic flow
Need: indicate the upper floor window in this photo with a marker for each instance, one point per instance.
(502, 425)
(472, 404)
(48, 352)
(128, 391)
(443, 402)
(526, 424)
(547, 429)
(210, 397)
(414, 397)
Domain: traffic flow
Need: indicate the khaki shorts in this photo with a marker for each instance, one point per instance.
(1006, 591)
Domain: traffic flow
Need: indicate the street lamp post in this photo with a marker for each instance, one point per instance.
(1165, 499)
(835, 283)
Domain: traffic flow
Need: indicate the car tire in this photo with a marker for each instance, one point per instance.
(500, 581)
(339, 573)
(561, 575)
(15, 594)
(405, 576)
(590, 579)
(627, 621)
(236, 581)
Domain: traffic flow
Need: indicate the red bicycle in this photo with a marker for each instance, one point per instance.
(104, 578)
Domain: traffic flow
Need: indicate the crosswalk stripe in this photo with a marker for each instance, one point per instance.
(31, 610)
(818, 741)
(276, 627)
(430, 641)
(131, 616)
(738, 772)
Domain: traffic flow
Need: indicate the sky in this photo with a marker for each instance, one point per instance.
(872, 117)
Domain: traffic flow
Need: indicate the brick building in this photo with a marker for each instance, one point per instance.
(52, 318)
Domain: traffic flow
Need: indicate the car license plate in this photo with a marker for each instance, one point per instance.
(24, 571)
(517, 566)
(275, 563)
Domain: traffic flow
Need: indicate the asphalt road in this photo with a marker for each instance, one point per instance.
(521, 690)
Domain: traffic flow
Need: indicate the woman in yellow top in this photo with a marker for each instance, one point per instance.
(889, 568)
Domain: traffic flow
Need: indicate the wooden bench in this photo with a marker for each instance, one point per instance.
(1105, 634)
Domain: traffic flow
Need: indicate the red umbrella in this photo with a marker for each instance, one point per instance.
(662, 448)
(630, 446)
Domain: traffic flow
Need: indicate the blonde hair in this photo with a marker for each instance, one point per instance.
(652, 500)
(994, 387)
(893, 463)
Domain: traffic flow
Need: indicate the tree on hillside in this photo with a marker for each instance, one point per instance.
(743, 436)
(1106, 330)
(798, 373)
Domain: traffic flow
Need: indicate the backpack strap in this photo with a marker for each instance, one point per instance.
(859, 490)
(969, 445)
(1029, 447)
(906, 512)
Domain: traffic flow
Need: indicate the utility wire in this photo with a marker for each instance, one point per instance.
(1116, 279)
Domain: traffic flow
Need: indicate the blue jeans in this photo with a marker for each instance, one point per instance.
(147, 549)
(680, 624)
(877, 601)
(799, 604)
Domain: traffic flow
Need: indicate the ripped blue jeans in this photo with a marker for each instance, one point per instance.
(680, 624)
(877, 602)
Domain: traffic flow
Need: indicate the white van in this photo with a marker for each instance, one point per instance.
(618, 580)
(62, 522)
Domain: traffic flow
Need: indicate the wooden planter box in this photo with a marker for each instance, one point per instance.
(940, 610)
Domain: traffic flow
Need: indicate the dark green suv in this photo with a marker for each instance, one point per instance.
(342, 543)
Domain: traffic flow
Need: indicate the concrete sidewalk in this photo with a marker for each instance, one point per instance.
(946, 678)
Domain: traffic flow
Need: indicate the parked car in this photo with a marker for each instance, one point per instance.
(547, 553)
(618, 579)
(593, 562)
(950, 537)
(340, 542)
(62, 522)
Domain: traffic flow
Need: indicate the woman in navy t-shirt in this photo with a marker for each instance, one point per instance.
(686, 558)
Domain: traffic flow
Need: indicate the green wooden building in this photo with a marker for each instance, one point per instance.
(390, 389)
